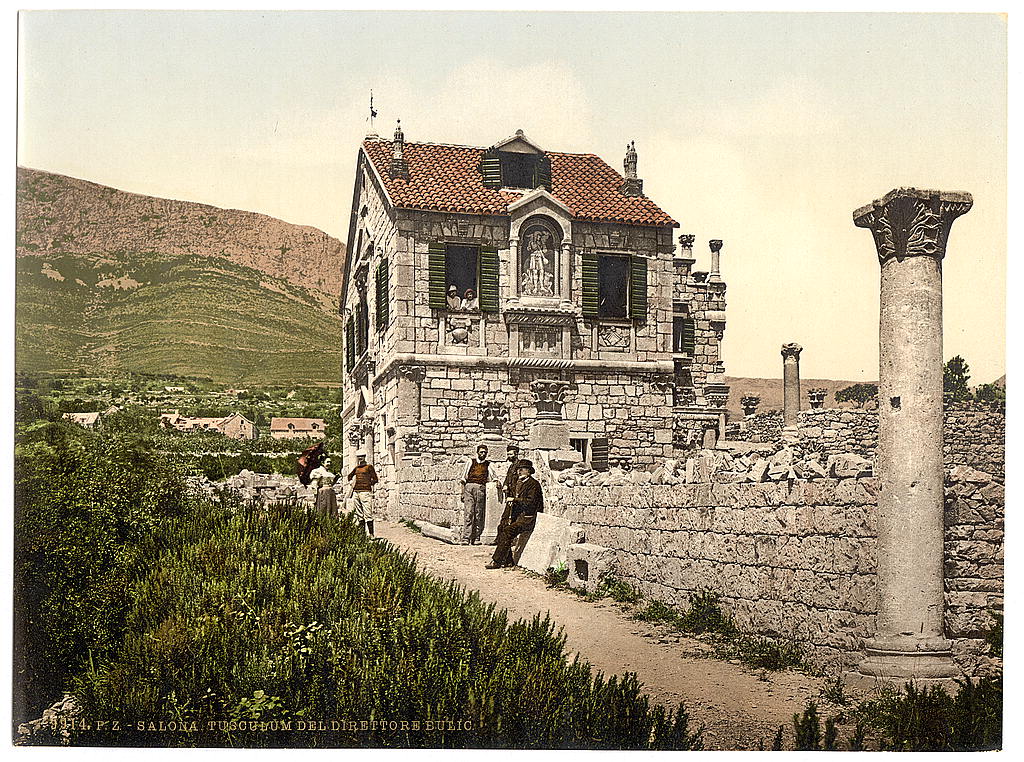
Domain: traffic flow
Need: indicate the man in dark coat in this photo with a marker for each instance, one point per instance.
(520, 514)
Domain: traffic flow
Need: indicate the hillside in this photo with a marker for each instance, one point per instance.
(110, 281)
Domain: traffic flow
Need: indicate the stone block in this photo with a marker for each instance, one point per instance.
(588, 564)
(549, 435)
(546, 545)
(435, 532)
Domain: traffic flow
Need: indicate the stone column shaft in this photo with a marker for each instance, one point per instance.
(513, 268)
(565, 271)
(790, 383)
(716, 259)
(910, 229)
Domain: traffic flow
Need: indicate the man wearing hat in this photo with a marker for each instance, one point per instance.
(362, 492)
(521, 514)
(453, 298)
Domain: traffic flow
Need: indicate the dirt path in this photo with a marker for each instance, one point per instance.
(737, 706)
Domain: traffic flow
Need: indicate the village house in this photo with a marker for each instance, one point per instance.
(234, 426)
(514, 293)
(298, 428)
(87, 420)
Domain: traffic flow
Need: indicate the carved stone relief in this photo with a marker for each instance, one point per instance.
(613, 337)
(549, 395)
(538, 251)
(493, 416)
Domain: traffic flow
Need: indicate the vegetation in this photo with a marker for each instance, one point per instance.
(150, 604)
(956, 375)
(858, 394)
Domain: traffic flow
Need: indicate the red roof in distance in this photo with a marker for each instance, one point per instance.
(446, 178)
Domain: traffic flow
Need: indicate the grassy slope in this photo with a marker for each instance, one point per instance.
(192, 315)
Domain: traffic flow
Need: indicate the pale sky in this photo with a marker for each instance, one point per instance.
(765, 130)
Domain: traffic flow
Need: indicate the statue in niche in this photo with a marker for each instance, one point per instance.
(538, 262)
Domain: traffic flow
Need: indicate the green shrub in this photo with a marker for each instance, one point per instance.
(279, 614)
(656, 611)
(929, 719)
(994, 635)
(704, 614)
(557, 575)
(83, 504)
(807, 729)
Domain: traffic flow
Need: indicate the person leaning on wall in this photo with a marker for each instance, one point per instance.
(363, 478)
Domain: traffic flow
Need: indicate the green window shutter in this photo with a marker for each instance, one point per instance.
(437, 273)
(350, 345)
(542, 175)
(689, 336)
(488, 279)
(382, 295)
(637, 288)
(590, 284)
(490, 168)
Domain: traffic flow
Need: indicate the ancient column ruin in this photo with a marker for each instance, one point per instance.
(790, 383)
(910, 229)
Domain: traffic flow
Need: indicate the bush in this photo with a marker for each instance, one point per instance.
(930, 719)
(278, 615)
(83, 503)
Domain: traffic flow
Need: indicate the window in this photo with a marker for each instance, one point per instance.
(455, 269)
(683, 338)
(383, 312)
(461, 270)
(613, 285)
(518, 170)
(580, 446)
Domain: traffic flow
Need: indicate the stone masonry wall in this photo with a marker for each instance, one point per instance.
(764, 427)
(794, 558)
(974, 434)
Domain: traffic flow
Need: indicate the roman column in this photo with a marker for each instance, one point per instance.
(790, 383)
(715, 276)
(910, 229)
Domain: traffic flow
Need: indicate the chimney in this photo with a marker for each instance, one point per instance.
(632, 185)
(399, 166)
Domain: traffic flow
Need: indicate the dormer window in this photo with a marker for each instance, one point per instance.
(516, 163)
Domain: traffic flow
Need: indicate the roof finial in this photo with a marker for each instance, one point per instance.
(399, 166)
(632, 186)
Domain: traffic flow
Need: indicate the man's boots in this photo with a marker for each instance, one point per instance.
(369, 528)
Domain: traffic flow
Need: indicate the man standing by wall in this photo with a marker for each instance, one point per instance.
(474, 497)
(524, 506)
(362, 492)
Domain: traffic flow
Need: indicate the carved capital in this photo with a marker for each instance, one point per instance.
(413, 444)
(686, 240)
(357, 431)
(715, 244)
(791, 351)
(414, 373)
(493, 416)
(549, 395)
(749, 404)
(907, 222)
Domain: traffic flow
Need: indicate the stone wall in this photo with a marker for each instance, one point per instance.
(763, 427)
(974, 434)
(793, 558)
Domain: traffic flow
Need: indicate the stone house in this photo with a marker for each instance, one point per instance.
(86, 420)
(298, 428)
(234, 426)
(514, 293)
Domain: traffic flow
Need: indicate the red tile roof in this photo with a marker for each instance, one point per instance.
(446, 178)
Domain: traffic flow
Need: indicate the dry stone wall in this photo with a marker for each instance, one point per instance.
(793, 558)
(974, 434)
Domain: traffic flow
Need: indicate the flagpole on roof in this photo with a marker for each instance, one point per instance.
(373, 113)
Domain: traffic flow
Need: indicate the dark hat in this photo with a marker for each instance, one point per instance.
(524, 463)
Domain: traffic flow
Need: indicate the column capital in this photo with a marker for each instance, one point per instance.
(792, 351)
(715, 244)
(907, 222)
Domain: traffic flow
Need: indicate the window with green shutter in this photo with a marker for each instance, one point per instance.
(599, 453)
(489, 297)
(637, 287)
(350, 345)
(591, 285)
(383, 313)
(437, 273)
(683, 334)
(362, 325)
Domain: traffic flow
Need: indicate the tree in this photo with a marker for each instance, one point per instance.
(990, 393)
(955, 377)
(858, 394)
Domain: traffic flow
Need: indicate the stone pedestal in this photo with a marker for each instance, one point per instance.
(790, 383)
(549, 435)
(910, 228)
(493, 509)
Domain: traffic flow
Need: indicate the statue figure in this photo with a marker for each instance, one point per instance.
(538, 276)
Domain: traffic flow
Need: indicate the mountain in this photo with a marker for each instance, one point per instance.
(110, 281)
